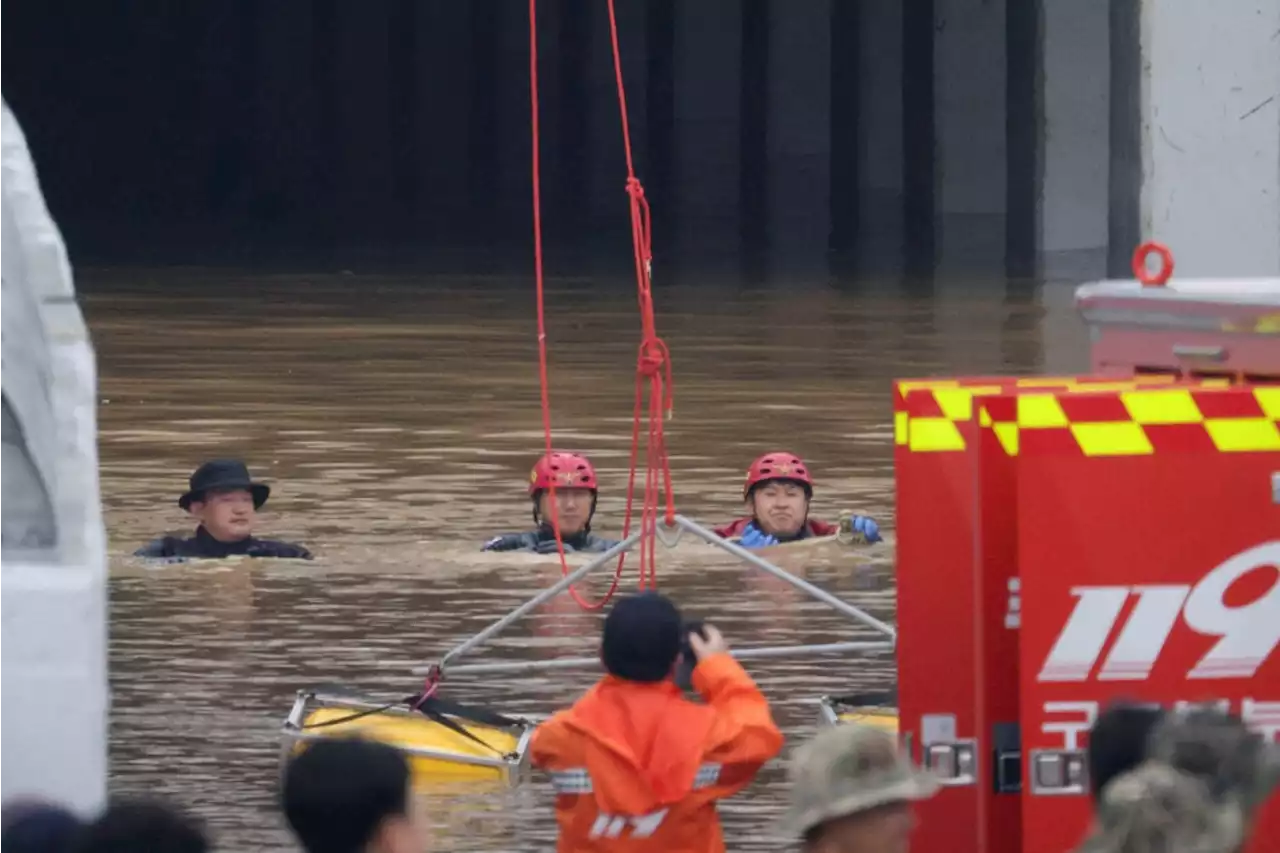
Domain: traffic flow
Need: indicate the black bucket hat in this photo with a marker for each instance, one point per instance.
(223, 474)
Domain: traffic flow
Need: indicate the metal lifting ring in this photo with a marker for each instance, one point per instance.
(667, 539)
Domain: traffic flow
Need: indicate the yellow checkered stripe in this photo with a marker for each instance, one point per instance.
(1125, 429)
(952, 401)
(1153, 418)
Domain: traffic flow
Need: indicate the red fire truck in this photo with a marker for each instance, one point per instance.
(1063, 542)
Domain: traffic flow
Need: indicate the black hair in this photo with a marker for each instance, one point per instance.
(131, 826)
(642, 638)
(37, 827)
(1118, 741)
(337, 793)
(808, 489)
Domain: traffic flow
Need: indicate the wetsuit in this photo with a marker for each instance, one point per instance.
(811, 529)
(203, 546)
(543, 541)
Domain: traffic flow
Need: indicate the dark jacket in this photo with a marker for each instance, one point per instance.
(202, 546)
(543, 541)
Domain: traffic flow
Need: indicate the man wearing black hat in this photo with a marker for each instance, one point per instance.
(224, 501)
(634, 761)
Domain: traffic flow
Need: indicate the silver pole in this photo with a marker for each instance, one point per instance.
(799, 583)
(749, 653)
(542, 597)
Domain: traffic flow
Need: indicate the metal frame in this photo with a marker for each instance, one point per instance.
(828, 713)
(665, 534)
(831, 707)
(308, 700)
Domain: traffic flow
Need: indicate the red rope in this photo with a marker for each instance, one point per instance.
(653, 361)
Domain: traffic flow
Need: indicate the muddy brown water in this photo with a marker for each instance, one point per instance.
(396, 423)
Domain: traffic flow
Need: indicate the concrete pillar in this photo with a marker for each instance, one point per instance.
(1210, 135)
(880, 190)
(798, 123)
(512, 118)
(706, 192)
(363, 104)
(1064, 338)
(1074, 146)
(608, 178)
(285, 109)
(444, 81)
(969, 124)
(1072, 199)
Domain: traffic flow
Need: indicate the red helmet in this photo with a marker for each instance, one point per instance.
(779, 465)
(565, 470)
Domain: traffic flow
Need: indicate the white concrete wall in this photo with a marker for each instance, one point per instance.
(969, 121)
(1211, 134)
(1075, 142)
(53, 675)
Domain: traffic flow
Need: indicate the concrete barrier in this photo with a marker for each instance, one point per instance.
(53, 630)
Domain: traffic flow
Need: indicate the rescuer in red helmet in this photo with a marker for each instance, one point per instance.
(576, 490)
(777, 492)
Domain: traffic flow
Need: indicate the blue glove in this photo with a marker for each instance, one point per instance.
(864, 529)
(754, 537)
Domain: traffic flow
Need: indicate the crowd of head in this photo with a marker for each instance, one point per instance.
(1179, 781)
(127, 826)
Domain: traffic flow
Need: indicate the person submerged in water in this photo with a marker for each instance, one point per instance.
(777, 492)
(576, 492)
(224, 501)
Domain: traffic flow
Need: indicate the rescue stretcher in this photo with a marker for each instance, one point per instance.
(879, 709)
(442, 740)
(448, 740)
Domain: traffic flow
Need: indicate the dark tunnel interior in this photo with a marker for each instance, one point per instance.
(398, 131)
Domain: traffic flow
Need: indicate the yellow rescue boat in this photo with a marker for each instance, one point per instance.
(441, 739)
(871, 709)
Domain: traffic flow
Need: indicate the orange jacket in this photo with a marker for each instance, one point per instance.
(639, 767)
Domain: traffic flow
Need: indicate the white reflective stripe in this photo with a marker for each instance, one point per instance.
(576, 780)
(641, 826)
(707, 775)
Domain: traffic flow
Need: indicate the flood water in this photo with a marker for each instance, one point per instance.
(396, 421)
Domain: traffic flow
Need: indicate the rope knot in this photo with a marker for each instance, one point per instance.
(653, 358)
(634, 188)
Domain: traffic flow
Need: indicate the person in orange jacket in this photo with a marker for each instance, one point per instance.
(636, 765)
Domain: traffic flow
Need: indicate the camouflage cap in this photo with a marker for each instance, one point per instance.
(1233, 761)
(847, 769)
(1158, 809)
